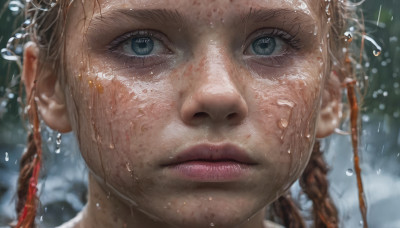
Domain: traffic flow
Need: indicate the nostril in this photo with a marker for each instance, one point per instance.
(200, 115)
(231, 116)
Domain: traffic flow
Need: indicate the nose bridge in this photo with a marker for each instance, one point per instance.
(215, 95)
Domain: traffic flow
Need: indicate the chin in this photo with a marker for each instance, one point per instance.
(215, 212)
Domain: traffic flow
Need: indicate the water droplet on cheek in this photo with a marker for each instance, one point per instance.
(283, 123)
(99, 88)
(285, 103)
(111, 146)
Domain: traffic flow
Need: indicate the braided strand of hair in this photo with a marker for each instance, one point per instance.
(285, 209)
(314, 183)
(29, 172)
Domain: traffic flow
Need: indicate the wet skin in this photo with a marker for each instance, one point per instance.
(204, 82)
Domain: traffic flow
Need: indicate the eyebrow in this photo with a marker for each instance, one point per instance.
(139, 15)
(292, 16)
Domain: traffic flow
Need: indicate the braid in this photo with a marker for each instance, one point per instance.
(25, 173)
(286, 210)
(315, 185)
(29, 172)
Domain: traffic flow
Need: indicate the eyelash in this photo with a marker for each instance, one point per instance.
(291, 40)
(135, 60)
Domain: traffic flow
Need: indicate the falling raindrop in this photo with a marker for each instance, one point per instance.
(10, 96)
(58, 143)
(98, 205)
(379, 171)
(6, 158)
(377, 52)
(8, 55)
(58, 139)
(15, 7)
(349, 172)
(348, 37)
(26, 23)
(212, 224)
(365, 118)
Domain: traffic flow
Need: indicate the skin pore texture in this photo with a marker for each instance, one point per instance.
(202, 85)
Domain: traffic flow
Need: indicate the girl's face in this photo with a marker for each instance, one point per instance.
(194, 112)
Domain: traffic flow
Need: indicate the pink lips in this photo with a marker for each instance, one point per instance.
(211, 163)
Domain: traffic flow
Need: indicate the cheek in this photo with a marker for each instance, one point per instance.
(286, 112)
(117, 122)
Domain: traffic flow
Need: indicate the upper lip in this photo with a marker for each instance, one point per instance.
(212, 153)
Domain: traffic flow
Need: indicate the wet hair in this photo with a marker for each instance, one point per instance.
(45, 25)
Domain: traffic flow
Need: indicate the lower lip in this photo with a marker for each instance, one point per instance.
(204, 171)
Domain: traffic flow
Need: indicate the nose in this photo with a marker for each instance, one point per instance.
(214, 97)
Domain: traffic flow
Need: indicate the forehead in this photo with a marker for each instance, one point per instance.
(213, 9)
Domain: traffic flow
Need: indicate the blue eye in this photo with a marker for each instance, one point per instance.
(264, 46)
(142, 45)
